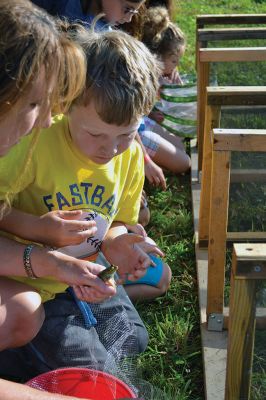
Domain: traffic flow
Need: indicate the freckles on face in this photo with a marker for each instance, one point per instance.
(23, 116)
(13, 126)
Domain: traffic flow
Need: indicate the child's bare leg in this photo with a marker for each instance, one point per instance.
(172, 158)
(140, 292)
(21, 313)
(164, 133)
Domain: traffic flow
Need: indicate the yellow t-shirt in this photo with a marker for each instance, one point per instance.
(59, 177)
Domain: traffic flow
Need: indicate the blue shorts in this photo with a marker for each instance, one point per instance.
(153, 274)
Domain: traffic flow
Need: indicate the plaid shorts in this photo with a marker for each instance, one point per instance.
(150, 139)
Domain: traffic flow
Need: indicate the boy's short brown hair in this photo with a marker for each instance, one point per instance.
(122, 76)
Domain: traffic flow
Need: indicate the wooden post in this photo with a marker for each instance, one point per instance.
(212, 120)
(248, 266)
(241, 333)
(217, 231)
(202, 83)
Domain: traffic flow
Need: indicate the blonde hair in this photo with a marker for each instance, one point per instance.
(160, 34)
(122, 76)
(30, 40)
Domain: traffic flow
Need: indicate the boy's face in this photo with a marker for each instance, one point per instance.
(96, 139)
(171, 61)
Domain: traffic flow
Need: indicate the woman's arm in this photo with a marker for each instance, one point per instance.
(56, 228)
(16, 391)
(46, 262)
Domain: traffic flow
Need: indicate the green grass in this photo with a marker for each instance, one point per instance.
(173, 360)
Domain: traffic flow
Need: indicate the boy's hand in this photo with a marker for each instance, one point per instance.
(138, 229)
(129, 253)
(64, 228)
(155, 174)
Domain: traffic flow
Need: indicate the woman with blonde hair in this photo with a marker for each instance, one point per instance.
(40, 70)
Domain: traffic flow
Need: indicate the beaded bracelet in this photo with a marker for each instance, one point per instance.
(27, 262)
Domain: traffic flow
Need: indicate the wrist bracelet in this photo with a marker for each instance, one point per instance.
(146, 158)
(27, 262)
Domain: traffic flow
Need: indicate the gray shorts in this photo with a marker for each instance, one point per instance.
(65, 341)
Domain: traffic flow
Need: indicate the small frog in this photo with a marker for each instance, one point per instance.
(108, 273)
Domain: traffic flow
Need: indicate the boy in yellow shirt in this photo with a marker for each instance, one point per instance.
(87, 166)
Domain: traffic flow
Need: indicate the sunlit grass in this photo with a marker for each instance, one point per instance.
(173, 360)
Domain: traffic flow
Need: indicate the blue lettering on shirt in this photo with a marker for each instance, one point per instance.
(97, 198)
(86, 189)
(109, 204)
(74, 190)
(61, 201)
(78, 195)
(45, 199)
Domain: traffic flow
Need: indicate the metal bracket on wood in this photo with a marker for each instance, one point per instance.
(215, 322)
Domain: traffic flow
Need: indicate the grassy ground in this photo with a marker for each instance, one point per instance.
(173, 359)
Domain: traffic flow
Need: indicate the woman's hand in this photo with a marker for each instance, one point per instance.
(80, 274)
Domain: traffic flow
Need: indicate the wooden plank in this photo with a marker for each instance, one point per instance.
(248, 251)
(260, 318)
(252, 269)
(236, 95)
(219, 199)
(248, 175)
(239, 140)
(202, 83)
(229, 54)
(220, 34)
(242, 236)
(214, 344)
(241, 333)
(226, 19)
(234, 237)
(212, 119)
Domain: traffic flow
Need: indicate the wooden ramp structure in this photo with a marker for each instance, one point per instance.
(227, 373)
(214, 344)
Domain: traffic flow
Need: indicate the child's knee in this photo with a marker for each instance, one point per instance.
(27, 317)
(144, 216)
(165, 279)
(183, 163)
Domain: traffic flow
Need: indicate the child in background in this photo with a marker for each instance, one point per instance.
(116, 12)
(167, 42)
(89, 161)
(164, 39)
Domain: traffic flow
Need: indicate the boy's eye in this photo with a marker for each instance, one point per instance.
(93, 135)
